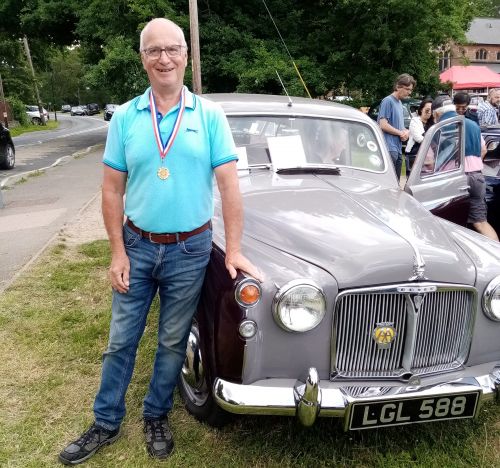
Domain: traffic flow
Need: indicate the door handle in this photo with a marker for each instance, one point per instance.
(465, 187)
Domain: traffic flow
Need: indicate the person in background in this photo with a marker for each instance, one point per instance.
(487, 111)
(163, 150)
(391, 120)
(418, 127)
(475, 149)
(462, 101)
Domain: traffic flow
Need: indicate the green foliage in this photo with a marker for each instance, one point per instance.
(18, 110)
(344, 46)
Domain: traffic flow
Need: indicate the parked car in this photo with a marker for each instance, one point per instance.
(92, 109)
(410, 107)
(491, 172)
(109, 110)
(34, 114)
(7, 149)
(65, 108)
(79, 110)
(373, 310)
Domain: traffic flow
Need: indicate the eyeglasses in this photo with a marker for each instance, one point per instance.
(408, 88)
(154, 53)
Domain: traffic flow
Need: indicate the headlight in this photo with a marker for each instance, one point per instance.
(491, 300)
(299, 306)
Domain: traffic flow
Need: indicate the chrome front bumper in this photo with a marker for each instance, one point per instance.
(310, 397)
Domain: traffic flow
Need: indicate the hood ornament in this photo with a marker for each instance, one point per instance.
(418, 268)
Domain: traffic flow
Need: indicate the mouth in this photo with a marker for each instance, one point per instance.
(164, 69)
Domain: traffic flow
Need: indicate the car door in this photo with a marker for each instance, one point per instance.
(438, 178)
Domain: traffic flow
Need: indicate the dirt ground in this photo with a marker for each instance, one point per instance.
(87, 226)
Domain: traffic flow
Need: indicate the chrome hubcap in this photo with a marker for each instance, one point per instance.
(193, 374)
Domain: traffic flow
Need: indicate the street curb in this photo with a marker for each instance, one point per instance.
(11, 180)
(38, 254)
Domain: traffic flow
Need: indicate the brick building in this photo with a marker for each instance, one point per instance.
(482, 47)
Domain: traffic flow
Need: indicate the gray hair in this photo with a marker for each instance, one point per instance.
(176, 26)
(492, 91)
(404, 80)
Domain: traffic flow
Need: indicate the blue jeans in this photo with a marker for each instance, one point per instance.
(176, 272)
(397, 160)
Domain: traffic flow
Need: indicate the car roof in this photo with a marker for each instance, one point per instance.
(238, 103)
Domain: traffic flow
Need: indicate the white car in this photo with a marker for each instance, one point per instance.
(34, 114)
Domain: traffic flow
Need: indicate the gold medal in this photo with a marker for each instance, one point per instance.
(163, 173)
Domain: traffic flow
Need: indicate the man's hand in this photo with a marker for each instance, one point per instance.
(405, 134)
(237, 261)
(119, 273)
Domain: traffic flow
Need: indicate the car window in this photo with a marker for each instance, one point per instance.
(307, 140)
(444, 151)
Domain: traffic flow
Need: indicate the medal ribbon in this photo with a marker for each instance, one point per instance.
(164, 148)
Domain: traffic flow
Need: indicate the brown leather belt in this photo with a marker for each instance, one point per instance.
(168, 238)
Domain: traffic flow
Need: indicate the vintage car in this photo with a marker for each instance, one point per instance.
(372, 309)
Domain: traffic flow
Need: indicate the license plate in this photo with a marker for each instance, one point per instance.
(367, 415)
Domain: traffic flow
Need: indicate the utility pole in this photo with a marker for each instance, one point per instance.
(28, 55)
(195, 46)
(5, 118)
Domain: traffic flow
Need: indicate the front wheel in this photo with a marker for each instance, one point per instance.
(36, 121)
(194, 388)
(8, 157)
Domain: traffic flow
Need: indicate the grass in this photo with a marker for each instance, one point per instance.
(53, 328)
(16, 131)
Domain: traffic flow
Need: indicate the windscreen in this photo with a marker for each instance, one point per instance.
(284, 141)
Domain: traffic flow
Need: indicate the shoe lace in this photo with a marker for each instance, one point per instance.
(93, 434)
(158, 428)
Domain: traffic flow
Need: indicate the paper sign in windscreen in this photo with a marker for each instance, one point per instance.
(242, 163)
(286, 151)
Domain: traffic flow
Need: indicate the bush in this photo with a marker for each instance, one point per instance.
(18, 110)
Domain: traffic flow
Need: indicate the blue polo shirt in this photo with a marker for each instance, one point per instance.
(183, 201)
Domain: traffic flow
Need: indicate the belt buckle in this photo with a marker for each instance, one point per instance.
(150, 239)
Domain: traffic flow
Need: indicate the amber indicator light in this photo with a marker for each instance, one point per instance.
(249, 294)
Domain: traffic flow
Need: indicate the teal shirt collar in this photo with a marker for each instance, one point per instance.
(143, 102)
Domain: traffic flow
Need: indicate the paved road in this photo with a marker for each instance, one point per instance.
(35, 209)
(39, 150)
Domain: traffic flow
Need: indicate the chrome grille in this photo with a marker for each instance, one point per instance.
(433, 332)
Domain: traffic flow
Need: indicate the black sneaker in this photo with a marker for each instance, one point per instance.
(88, 444)
(159, 439)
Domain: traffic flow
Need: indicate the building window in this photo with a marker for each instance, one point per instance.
(481, 54)
(444, 60)
(498, 55)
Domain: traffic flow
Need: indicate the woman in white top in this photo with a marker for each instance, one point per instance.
(418, 126)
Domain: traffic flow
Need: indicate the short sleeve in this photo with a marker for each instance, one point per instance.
(114, 152)
(222, 148)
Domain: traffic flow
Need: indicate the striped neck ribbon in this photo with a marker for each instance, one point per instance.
(165, 147)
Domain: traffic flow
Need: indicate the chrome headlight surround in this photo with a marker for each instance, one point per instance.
(491, 300)
(299, 306)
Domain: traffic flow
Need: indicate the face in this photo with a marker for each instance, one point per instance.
(495, 99)
(164, 73)
(461, 108)
(426, 112)
(404, 91)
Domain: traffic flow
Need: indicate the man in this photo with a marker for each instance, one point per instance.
(162, 150)
(391, 119)
(462, 101)
(475, 150)
(487, 111)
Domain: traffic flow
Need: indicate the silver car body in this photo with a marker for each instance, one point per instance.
(404, 337)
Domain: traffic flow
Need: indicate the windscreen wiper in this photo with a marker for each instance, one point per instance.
(330, 170)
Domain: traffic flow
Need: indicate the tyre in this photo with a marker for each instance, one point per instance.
(7, 157)
(36, 121)
(194, 388)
